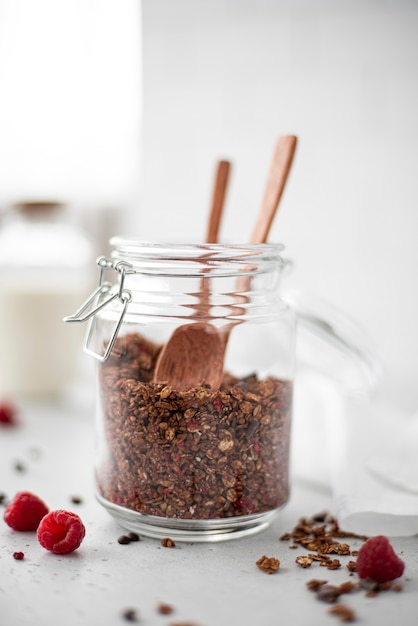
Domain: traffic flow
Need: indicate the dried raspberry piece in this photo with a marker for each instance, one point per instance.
(18, 556)
(25, 511)
(61, 531)
(378, 561)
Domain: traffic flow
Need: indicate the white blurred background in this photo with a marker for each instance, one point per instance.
(123, 107)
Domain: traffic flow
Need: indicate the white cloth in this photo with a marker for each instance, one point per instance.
(364, 451)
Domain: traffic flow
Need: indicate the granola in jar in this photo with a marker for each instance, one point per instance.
(197, 454)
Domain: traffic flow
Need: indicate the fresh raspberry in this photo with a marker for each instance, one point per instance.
(25, 511)
(378, 561)
(61, 531)
(8, 414)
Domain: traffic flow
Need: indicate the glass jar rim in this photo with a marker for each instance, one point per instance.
(201, 259)
(138, 249)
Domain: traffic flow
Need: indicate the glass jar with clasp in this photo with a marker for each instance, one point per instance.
(195, 352)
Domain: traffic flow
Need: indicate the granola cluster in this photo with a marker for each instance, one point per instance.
(320, 536)
(268, 564)
(198, 454)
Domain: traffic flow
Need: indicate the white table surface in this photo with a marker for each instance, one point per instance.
(207, 584)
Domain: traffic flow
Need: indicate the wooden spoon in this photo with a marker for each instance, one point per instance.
(185, 338)
(218, 200)
(222, 173)
(195, 352)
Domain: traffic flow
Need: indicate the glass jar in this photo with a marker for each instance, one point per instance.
(189, 459)
(44, 269)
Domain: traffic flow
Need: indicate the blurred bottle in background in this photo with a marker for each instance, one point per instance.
(70, 123)
(45, 273)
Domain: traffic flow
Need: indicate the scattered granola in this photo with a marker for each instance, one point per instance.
(167, 543)
(165, 609)
(321, 533)
(372, 588)
(347, 587)
(315, 584)
(269, 565)
(196, 454)
(343, 612)
(328, 593)
(333, 564)
(304, 561)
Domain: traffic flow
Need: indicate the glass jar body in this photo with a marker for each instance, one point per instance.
(196, 463)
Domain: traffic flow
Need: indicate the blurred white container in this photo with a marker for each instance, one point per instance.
(44, 270)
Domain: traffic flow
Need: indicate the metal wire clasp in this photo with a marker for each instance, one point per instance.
(101, 297)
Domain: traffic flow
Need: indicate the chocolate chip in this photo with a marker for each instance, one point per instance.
(130, 615)
(124, 539)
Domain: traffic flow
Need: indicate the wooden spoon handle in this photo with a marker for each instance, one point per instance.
(218, 199)
(279, 170)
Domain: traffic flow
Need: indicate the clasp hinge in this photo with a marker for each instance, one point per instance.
(101, 297)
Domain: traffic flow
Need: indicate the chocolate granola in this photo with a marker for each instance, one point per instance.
(198, 454)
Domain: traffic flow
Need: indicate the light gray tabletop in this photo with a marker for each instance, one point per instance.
(51, 453)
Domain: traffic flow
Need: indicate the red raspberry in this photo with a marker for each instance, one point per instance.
(61, 531)
(25, 511)
(8, 414)
(378, 561)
